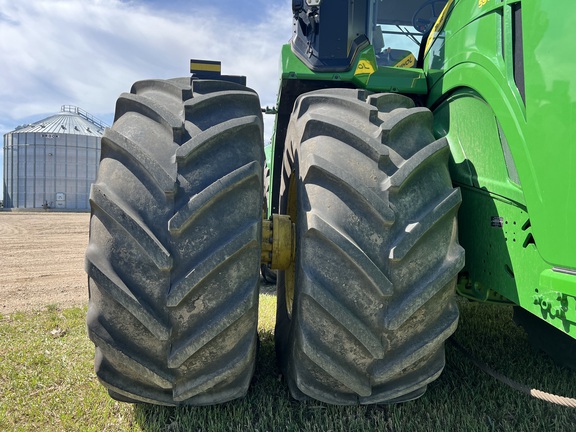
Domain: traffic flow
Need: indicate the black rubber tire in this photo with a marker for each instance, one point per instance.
(174, 252)
(377, 250)
(545, 337)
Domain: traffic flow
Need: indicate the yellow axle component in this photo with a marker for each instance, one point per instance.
(278, 242)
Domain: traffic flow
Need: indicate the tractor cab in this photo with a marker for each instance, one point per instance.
(329, 36)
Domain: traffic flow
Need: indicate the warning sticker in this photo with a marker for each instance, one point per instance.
(364, 67)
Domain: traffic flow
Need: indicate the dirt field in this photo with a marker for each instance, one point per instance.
(42, 260)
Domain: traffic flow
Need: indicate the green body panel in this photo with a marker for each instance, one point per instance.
(363, 74)
(494, 224)
(268, 153)
(514, 160)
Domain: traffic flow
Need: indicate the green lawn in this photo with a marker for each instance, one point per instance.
(47, 383)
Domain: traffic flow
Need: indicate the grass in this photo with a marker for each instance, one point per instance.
(47, 383)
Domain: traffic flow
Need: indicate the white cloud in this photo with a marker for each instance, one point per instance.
(87, 52)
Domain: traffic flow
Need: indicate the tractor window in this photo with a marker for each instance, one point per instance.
(396, 45)
(399, 27)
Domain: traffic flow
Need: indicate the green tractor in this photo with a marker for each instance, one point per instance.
(406, 133)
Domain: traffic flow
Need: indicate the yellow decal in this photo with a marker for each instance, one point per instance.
(482, 3)
(205, 66)
(407, 62)
(364, 67)
(439, 24)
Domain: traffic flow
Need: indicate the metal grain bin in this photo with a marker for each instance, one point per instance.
(51, 163)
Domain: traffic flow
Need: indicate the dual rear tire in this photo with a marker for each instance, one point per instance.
(175, 238)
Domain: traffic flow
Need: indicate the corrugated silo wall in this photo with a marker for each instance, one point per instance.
(54, 170)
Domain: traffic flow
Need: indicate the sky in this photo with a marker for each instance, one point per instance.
(87, 52)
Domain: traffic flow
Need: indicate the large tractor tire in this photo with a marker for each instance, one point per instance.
(365, 309)
(174, 253)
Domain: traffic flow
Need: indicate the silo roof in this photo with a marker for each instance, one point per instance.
(70, 120)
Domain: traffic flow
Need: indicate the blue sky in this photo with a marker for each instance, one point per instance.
(87, 52)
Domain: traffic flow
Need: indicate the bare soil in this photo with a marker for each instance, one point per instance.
(42, 260)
